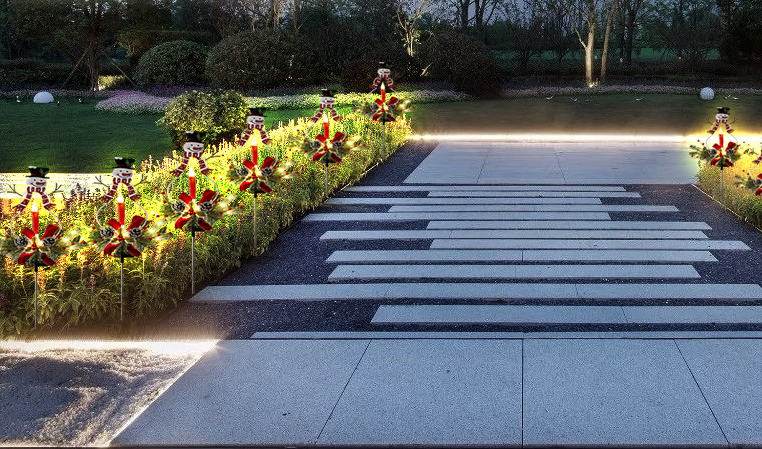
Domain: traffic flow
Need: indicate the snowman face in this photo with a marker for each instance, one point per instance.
(384, 72)
(195, 147)
(721, 117)
(327, 101)
(256, 120)
(122, 173)
(36, 182)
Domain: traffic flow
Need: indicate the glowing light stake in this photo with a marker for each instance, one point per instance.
(721, 154)
(35, 219)
(120, 209)
(32, 247)
(192, 183)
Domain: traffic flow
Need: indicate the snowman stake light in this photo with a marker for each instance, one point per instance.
(32, 248)
(189, 212)
(117, 237)
(721, 154)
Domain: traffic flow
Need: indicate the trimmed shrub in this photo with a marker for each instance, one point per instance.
(253, 60)
(18, 73)
(326, 51)
(360, 73)
(220, 114)
(464, 61)
(172, 63)
(137, 42)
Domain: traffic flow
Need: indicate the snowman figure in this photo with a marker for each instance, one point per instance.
(36, 182)
(255, 120)
(327, 103)
(721, 119)
(193, 148)
(383, 74)
(122, 174)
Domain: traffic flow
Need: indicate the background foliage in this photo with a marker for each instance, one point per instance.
(172, 63)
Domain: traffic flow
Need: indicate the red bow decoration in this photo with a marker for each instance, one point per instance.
(33, 247)
(334, 144)
(382, 113)
(119, 238)
(721, 157)
(268, 165)
(204, 207)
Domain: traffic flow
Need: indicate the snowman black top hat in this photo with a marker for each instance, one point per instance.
(38, 172)
(723, 109)
(122, 162)
(194, 136)
(382, 65)
(327, 92)
(257, 111)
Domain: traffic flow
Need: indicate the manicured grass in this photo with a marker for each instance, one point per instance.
(612, 113)
(75, 137)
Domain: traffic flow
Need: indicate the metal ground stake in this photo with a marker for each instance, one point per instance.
(255, 222)
(722, 187)
(193, 262)
(36, 288)
(121, 287)
(383, 138)
(326, 175)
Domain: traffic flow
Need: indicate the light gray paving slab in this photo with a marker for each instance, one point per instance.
(531, 194)
(573, 234)
(409, 256)
(670, 291)
(612, 392)
(497, 188)
(431, 392)
(613, 255)
(344, 201)
(405, 234)
(587, 271)
(588, 244)
(486, 255)
(497, 314)
(477, 291)
(693, 314)
(416, 216)
(540, 334)
(728, 372)
(396, 234)
(386, 335)
(534, 208)
(248, 392)
(606, 224)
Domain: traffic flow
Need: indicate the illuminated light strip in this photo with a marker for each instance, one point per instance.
(178, 348)
(587, 138)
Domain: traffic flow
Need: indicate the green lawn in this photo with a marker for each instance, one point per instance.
(74, 137)
(652, 114)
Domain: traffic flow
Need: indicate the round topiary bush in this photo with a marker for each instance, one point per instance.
(253, 60)
(220, 114)
(172, 63)
(464, 61)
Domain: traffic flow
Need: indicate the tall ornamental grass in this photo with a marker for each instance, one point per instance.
(83, 287)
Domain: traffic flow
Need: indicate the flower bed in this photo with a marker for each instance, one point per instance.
(83, 286)
(136, 102)
(741, 201)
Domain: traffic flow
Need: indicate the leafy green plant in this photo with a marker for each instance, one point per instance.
(220, 114)
(740, 198)
(82, 288)
(172, 63)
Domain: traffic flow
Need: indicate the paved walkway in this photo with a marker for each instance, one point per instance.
(526, 295)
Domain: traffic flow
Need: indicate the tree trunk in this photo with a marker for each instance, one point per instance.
(629, 36)
(463, 5)
(606, 36)
(590, 48)
(725, 12)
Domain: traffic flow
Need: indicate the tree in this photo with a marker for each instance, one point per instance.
(524, 28)
(612, 9)
(584, 20)
(631, 8)
(409, 14)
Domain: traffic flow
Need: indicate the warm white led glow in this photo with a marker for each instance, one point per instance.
(177, 348)
(556, 137)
